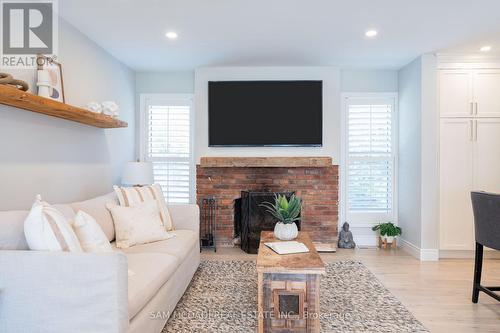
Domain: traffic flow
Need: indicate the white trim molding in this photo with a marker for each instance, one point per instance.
(466, 61)
(420, 254)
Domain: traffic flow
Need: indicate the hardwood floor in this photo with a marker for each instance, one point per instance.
(437, 293)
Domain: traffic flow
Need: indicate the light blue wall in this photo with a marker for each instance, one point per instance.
(164, 82)
(352, 80)
(369, 80)
(62, 160)
(409, 168)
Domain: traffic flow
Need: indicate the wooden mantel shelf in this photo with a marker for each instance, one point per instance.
(265, 162)
(27, 101)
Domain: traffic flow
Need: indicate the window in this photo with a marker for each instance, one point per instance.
(166, 142)
(369, 175)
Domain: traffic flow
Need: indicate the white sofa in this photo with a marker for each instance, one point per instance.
(89, 292)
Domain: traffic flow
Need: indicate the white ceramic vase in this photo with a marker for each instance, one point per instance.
(284, 231)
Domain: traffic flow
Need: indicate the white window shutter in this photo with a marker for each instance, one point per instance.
(167, 144)
(370, 159)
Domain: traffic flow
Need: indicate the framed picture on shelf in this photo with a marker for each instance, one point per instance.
(50, 78)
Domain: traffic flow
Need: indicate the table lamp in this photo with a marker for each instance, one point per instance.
(138, 173)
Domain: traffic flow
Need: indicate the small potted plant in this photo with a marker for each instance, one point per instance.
(286, 212)
(388, 231)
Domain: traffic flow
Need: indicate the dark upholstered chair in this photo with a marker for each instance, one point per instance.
(486, 207)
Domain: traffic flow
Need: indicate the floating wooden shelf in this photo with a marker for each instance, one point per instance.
(265, 162)
(27, 101)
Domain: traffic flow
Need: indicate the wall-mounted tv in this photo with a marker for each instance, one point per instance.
(265, 113)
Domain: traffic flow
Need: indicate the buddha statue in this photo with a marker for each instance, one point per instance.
(346, 240)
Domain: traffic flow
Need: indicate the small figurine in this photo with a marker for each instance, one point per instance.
(94, 107)
(346, 240)
(110, 108)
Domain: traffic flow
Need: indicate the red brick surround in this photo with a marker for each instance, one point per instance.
(317, 186)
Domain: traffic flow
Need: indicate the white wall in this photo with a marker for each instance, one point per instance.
(160, 83)
(430, 154)
(331, 109)
(409, 171)
(418, 157)
(369, 80)
(63, 160)
(164, 82)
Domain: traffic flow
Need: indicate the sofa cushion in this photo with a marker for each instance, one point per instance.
(12, 230)
(97, 209)
(177, 246)
(150, 272)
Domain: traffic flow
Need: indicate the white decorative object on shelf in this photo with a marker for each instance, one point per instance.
(110, 108)
(94, 107)
(43, 83)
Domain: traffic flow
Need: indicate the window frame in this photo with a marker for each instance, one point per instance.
(368, 219)
(172, 99)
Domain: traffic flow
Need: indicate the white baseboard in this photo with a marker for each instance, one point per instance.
(429, 254)
(468, 254)
(420, 254)
(409, 247)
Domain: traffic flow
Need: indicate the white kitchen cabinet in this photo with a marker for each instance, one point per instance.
(486, 159)
(486, 93)
(469, 93)
(469, 160)
(455, 93)
(456, 182)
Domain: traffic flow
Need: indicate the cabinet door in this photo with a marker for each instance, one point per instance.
(455, 93)
(456, 153)
(486, 91)
(487, 155)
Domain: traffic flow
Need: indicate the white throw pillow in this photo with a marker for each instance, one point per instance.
(90, 234)
(137, 224)
(46, 229)
(131, 196)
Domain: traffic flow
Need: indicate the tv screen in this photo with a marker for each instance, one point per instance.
(265, 113)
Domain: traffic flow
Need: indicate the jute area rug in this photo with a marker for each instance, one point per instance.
(222, 297)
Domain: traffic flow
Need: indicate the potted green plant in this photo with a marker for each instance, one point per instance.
(287, 212)
(388, 231)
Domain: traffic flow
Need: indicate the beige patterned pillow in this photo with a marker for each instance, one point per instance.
(138, 224)
(132, 196)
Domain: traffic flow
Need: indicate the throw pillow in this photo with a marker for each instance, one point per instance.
(138, 224)
(131, 196)
(46, 229)
(90, 233)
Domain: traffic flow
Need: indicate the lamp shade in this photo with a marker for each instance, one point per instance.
(138, 173)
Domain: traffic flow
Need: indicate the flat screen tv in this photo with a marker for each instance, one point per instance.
(265, 113)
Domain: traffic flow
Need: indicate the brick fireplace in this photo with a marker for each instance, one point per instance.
(313, 179)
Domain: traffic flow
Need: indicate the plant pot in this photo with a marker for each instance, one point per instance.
(388, 239)
(284, 231)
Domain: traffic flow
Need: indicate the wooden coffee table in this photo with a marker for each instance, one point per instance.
(288, 287)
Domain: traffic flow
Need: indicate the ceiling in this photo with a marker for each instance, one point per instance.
(283, 32)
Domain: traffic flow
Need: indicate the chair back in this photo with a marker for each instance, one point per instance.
(486, 207)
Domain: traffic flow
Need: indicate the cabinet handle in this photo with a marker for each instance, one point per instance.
(471, 108)
(471, 130)
(475, 130)
(476, 107)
